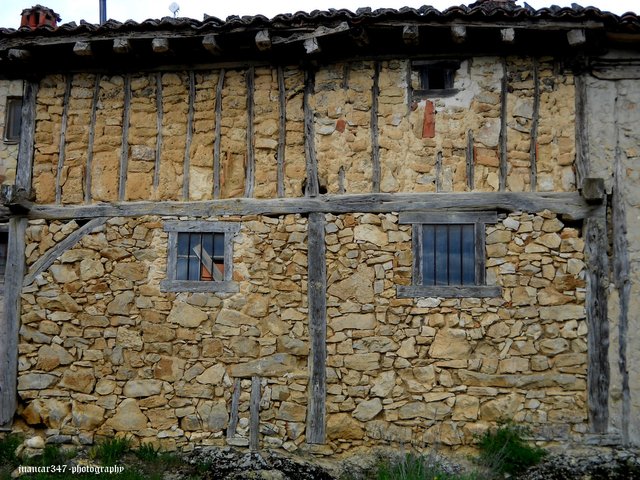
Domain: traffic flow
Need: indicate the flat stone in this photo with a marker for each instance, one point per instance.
(169, 369)
(568, 382)
(370, 234)
(343, 426)
(357, 286)
(142, 388)
(353, 321)
(294, 346)
(271, 366)
(121, 304)
(363, 361)
(218, 417)
(52, 356)
(128, 417)
(63, 273)
(186, 315)
(562, 313)
(367, 409)
(383, 384)
(451, 344)
(130, 271)
(87, 417)
(79, 380)
(212, 375)
(291, 412)
(36, 381)
(129, 338)
(232, 318)
(432, 410)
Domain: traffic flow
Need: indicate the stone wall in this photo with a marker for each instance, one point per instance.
(345, 109)
(8, 151)
(103, 350)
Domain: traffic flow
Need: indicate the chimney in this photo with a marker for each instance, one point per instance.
(39, 16)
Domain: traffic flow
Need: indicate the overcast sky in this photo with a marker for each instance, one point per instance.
(139, 10)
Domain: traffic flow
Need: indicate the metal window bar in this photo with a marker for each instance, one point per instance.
(201, 257)
(448, 255)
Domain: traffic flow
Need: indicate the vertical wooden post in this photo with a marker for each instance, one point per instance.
(92, 134)
(582, 130)
(503, 125)
(254, 413)
(10, 325)
(375, 143)
(251, 154)
(27, 131)
(160, 114)
(313, 186)
(63, 136)
(282, 130)
(187, 147)
(533, 148)
(235, 400)
(439, 171)
(317, 288)
(124, 151)
(470, 160)
(218, 135)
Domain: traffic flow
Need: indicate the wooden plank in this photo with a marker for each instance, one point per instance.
(27, 131)
(160, 45)
(411, 34)
(159, 115)
(312, 187)
(375, 141)
(10, 326)
(320, 31)
(63, 136)
(218, 135)
(196, 286)
(582, 130)
(194, 226)
(416, 246)
(254, 413)
(593, 190)
(470, 155)
(263, 40)
(439, 171)
(480, 236)
(187, 147)
(503, 125)
(472, 291)
(51, 255)
(447, 218)
(458, 33)
(92, 134)
(595, 235)
(408, 73)
(568, 204)
(317, 297)
(210, 43)
(235, 401)
(282, 130)
(124, 151)
(251, 152)
(533, 147)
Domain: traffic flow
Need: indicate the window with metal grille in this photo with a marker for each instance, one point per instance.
(448, 255)
(12, 120)
(200, 256)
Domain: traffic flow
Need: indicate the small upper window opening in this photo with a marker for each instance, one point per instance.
(13, 120)
(434, 78)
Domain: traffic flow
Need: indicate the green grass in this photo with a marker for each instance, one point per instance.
(110, 450)
(414, 466)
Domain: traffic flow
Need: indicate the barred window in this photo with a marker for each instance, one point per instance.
(12, 120)
(448, 254)
(200, 257)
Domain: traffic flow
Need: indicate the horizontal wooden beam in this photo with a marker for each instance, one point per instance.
(121, 45)
(210, 43)
(570, 204)
(82, 49)
(318, 32)
(160, 45)
(18, 54)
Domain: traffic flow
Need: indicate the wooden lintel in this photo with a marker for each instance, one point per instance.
(577, 37)
(458, 33)
(18, 54)
(160, 45)
(121, 45)
(569, 204)
(210, 43)
(263, 40)
(311, 46)
(83, 49)
(411, 34)
(593, 190)
(508, 35)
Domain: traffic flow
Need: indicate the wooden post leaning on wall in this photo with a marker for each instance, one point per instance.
(159, 115)
(533, 147)
(218, 136)
(282, 130)
(10, 326)
(503, 125)
(24, 171)
(92, 134)
(317, 293)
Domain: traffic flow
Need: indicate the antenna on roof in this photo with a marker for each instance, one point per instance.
(103, 11)
(174, 7)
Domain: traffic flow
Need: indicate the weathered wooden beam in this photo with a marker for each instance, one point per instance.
(447, 218)
(121, 45)
(595, 235)
(439, 171)
(82, 49)
(254, 413)
(51, 255)
(535, 120)
(24, 170)
(311, 46)
(508, 35)
(282, 130)
(317, 299)
(594, 190)
(577, 37)
(235, 402)
(312, 184)
(470, 157)
(263, 40)
(159, 137)
(502, 139)
(249, 183)
(189, 136)
(582, 162)
(321, 31)
(160, 45)
(458, 33)
(375, 141)
(411, 34)
(10, 326)
(92, 134)
(124, 150)
(568, 204)
(18, 54)
(218, 135)
(210, 43)
(472, 291)
(63, 136)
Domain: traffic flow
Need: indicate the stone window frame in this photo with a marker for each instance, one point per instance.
(479, 220)
(12, 120)
(447, 68)
(173, 228)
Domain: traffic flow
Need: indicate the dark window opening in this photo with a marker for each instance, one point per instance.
(435, 78)
(13, 120)
(448, 255)
(200, 257)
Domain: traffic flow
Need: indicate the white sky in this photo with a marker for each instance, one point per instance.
(139, 10)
